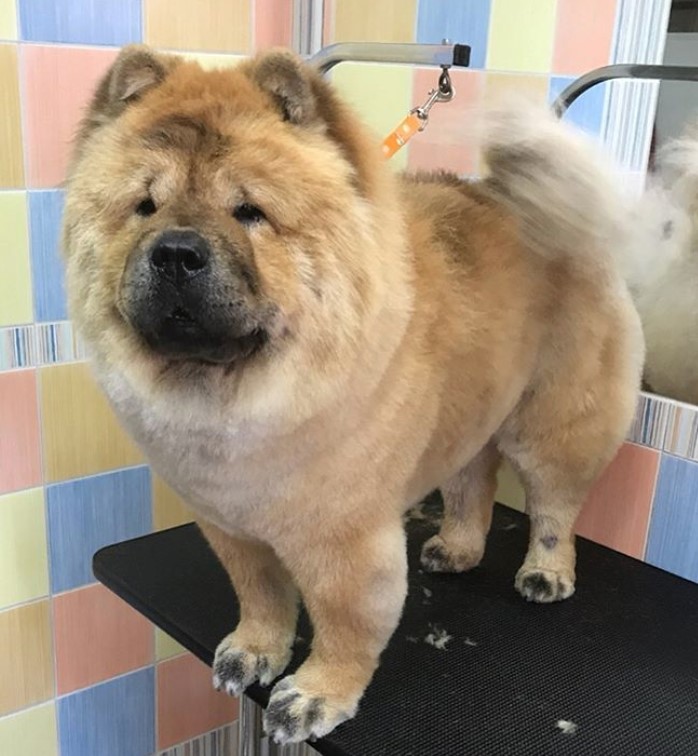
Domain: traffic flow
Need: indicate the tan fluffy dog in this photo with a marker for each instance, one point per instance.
(305, 345)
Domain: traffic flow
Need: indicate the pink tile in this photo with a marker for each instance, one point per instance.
(20, 446)
(187, 703)
(617, 512)
(273, 21)
(58, 82)
(97, 636)
(583, 35)
(445, 142)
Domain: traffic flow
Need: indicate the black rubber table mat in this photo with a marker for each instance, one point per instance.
(619, 659)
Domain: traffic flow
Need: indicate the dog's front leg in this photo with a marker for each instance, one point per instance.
(260, 647)
(353, 580)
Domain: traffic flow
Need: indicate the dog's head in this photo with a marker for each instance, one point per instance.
(217, 221)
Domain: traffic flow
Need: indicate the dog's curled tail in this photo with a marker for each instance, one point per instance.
(554, 180)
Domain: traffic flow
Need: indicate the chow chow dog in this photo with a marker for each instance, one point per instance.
(662, 269)
(305, 344)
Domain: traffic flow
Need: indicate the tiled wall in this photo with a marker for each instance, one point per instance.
(84, 674)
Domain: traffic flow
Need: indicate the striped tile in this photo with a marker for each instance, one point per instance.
(649, 427)
(681, 436)
(39, 344)
(221, 742)
(115, 718)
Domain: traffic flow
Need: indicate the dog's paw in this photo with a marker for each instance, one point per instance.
(440, 556)
(544, 586)
(294, 715)
(236, 668)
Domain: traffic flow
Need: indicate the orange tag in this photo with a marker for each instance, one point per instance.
(401, 135)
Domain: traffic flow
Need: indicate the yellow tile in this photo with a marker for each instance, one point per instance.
(165, 647)
(30, 733)
(222, 26)
(521, 35)
(15, 281)
(23, 555)
(509, 489)
(501, 86)
(207, 61)
(381, 95)
(11, 158)
(168, 509)
(8, 24)
(372, 21)
(81, 435)
(26, 664)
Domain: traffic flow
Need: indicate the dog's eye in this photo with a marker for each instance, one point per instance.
(146, 208)
(248, 214)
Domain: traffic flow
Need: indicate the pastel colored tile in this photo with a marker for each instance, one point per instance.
(381, 95)
(86, 514)
(445, 143)
(617, 511)
(187, 703)
(509, 488)
(586, 112)
(216, 25)
(58, 83)
(45, 211)
(20, 450)
(583, 35)
(273, 23)
(208, 61)
(86, 22)
(8, 19)
(169, 510)
(23, 552)
(673, 537)
(466, 21)
(26, 664)
(115, 718)
(370, 21)
(166, 647)
(521, 35)
(81, 435)
(15, 282)
(97, 636)
(11, 160)
(501, 86)
(30, 733)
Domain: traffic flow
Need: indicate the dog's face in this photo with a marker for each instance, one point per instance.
(216, 220)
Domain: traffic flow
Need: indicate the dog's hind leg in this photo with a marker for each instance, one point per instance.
(468, 501)
(260, 647)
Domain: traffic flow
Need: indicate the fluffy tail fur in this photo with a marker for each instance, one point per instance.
(554, 180)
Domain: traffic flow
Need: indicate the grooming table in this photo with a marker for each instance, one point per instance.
(613, 671)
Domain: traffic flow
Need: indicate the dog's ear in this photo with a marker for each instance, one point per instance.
(137, 70)
(292, 85)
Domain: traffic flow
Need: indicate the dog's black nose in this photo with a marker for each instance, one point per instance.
(180, 254)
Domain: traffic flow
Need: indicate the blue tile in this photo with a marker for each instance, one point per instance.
(587, 111)
(673, 535)
(464, 21)
(87, 22)
(115, 718)
(45, 211)
(88, 513)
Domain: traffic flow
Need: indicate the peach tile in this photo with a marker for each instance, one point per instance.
(214, 25)
(97, 636)
(617, 511)
(81, 435)
(168, 509)
(58, 82)
(11, 159)
(26, 663)
(187, 703)
(20, 452)
(371, 21)
(273, 23)
(444, 143)
(583, 35)
(327, 22)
